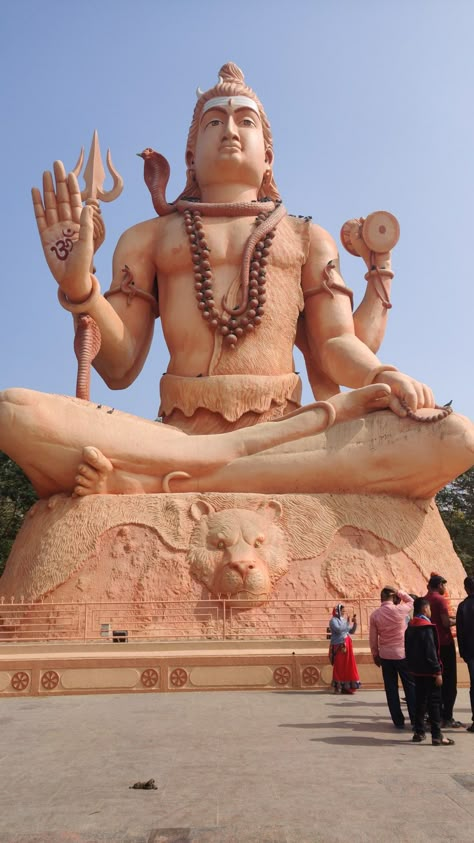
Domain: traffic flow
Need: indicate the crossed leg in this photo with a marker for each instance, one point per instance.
(49, 436)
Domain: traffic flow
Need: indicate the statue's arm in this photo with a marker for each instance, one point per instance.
(343, 357)
(328, 313)
(66, 230)
(127, 322)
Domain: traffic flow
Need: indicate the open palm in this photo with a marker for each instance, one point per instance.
(66, 231)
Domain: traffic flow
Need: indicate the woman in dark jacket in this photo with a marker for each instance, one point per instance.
(422, 655)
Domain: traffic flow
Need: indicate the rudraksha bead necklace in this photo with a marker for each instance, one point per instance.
(232, 328)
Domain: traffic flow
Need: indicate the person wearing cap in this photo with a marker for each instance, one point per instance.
(387, 644)
(443, 621)
(465, 634)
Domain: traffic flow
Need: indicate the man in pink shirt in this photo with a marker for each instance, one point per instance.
(387, 643)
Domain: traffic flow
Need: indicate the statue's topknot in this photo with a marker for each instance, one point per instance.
(231, 84)
(230, 72)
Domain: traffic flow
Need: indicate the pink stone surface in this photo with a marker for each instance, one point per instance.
(286, 503)
(145, 548)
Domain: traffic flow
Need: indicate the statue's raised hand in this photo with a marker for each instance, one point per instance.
(66, 230)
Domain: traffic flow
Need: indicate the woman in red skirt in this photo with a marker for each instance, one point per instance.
(345, 676)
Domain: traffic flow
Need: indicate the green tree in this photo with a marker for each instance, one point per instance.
(16, 497)
(456, 505)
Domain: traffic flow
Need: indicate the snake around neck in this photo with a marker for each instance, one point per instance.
(268, 214)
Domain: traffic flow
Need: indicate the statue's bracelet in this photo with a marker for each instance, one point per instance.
(82, 306)
(378, 371)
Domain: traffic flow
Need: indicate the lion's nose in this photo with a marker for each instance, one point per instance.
(242, 568)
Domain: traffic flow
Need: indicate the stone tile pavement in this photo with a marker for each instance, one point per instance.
(230, 767)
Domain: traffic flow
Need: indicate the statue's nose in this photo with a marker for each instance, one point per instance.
(230, 128)
(243, 567)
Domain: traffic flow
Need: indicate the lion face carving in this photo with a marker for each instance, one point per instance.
(238, 553)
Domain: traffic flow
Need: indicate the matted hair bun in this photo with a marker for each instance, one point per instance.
(230, 72)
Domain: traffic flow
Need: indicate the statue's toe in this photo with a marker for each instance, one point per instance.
(95, 459)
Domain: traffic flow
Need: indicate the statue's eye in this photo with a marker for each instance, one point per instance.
(247, 122)
(221, 545)
(258, 541)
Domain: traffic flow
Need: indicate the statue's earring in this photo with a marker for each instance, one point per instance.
(267, 176)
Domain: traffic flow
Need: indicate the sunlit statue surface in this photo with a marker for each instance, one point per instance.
(241, 491)
(236, 282)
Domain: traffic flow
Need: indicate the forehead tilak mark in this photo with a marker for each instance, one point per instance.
(233, 102)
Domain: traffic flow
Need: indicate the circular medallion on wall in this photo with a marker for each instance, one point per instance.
(281, 675)
(50, 680)
(20, 680)
(310, 675)
(178, 677)
(149, 677)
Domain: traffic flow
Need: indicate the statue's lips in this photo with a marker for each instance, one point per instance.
(230, 147)
(249, 596)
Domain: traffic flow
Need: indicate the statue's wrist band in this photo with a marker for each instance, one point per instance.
(378, 271)
(378, 371)
(82, 306)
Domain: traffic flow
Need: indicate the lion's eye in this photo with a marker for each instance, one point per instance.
(258, 541)
(221, 545)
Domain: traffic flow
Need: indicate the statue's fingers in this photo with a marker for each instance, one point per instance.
(420, 394)
(49, 196)
(395, 406)
(75, 197)
(86, 231)
(38, 209)
(62, 193)
(411, 395)
(428, 397)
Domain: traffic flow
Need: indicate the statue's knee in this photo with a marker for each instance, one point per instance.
(459, 427)
(16, 406)
(16, 396)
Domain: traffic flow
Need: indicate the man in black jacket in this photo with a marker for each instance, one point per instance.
(465, 635)
(423, 661)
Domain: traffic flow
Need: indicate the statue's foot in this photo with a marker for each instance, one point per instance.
(96, 475)
(359, 402)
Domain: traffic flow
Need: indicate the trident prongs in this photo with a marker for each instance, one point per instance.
(94, 174)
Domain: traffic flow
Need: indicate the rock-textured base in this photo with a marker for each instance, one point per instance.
(135, 548)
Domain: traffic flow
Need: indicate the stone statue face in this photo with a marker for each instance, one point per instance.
(230, 147)
(238, 553)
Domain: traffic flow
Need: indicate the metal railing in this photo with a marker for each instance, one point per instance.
(166, 620)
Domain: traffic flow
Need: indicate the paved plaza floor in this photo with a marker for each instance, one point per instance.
(230, 767)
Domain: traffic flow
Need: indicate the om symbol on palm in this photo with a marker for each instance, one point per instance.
(62, 248)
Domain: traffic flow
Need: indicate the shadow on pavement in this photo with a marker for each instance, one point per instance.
(346, 724)
(347, 740)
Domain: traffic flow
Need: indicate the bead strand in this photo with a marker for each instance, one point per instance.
(231, 328)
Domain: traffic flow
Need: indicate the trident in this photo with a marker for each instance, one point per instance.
(87, 339)
(94, 177)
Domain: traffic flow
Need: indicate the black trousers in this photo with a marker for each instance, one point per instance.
(449, 689)
(470, 664)
(391, 670)
(428, 698)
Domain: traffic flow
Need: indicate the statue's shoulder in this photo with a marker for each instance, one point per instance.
(317, 240)
(304, 222)
(147, 231)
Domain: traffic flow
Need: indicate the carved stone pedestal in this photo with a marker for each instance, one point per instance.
(190, 547)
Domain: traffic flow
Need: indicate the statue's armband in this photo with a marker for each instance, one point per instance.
(129, 288)
(330, 285)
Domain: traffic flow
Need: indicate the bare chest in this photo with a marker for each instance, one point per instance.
(225, 238)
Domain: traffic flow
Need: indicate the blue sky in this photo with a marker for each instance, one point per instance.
(371, 108)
